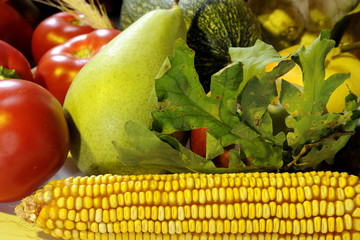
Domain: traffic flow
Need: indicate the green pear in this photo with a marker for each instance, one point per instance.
(117, 85)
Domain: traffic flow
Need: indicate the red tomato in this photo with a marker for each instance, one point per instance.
(198, 141)
(14, 29)
(34, 138)
(55, 30)
(198, 146)
(222, 161)
(13, 63)
(58, 67)
(28, 9)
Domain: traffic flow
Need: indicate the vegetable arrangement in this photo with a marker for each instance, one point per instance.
(213, 26)
(226, 153)
(34, 133)
(310, 137)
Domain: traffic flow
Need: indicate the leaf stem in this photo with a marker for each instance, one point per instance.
(306, 147)
(346, 47)
(350, 46)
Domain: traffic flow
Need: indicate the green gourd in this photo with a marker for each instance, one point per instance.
(116, 86)
(213, 26)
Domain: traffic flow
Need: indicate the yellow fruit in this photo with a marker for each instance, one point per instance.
(341, 63)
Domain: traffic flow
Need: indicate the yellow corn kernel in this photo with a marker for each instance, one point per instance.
(249, 206)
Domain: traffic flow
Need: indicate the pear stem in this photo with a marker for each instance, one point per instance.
(176, 2)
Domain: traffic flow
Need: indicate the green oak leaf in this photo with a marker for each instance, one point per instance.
(255, 98)
(306, 107)
(165, 153)
(152, 152)
(188, 107)
(254, 59)
(326, 149)
(213, 146)
(258, 94)
(315, 135)
(260, 152)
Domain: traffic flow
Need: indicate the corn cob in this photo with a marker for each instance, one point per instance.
(246, 206)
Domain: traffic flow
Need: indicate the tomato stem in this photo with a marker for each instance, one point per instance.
(8, 73)
(84, 52)
(77, 22)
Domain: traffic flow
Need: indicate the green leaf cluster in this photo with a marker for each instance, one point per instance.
(238, 111)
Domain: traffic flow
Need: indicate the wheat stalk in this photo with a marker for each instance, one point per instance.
(94, 14)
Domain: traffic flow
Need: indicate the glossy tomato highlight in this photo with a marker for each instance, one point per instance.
(55, 30)
(34, 138)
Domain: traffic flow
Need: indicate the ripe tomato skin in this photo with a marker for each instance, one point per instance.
(198, 146)
(222, 161)
(14, 29)
(55, 30)
(34, 138)
(12, 59)
(28, 10)
(58, 67)
(198, 141)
